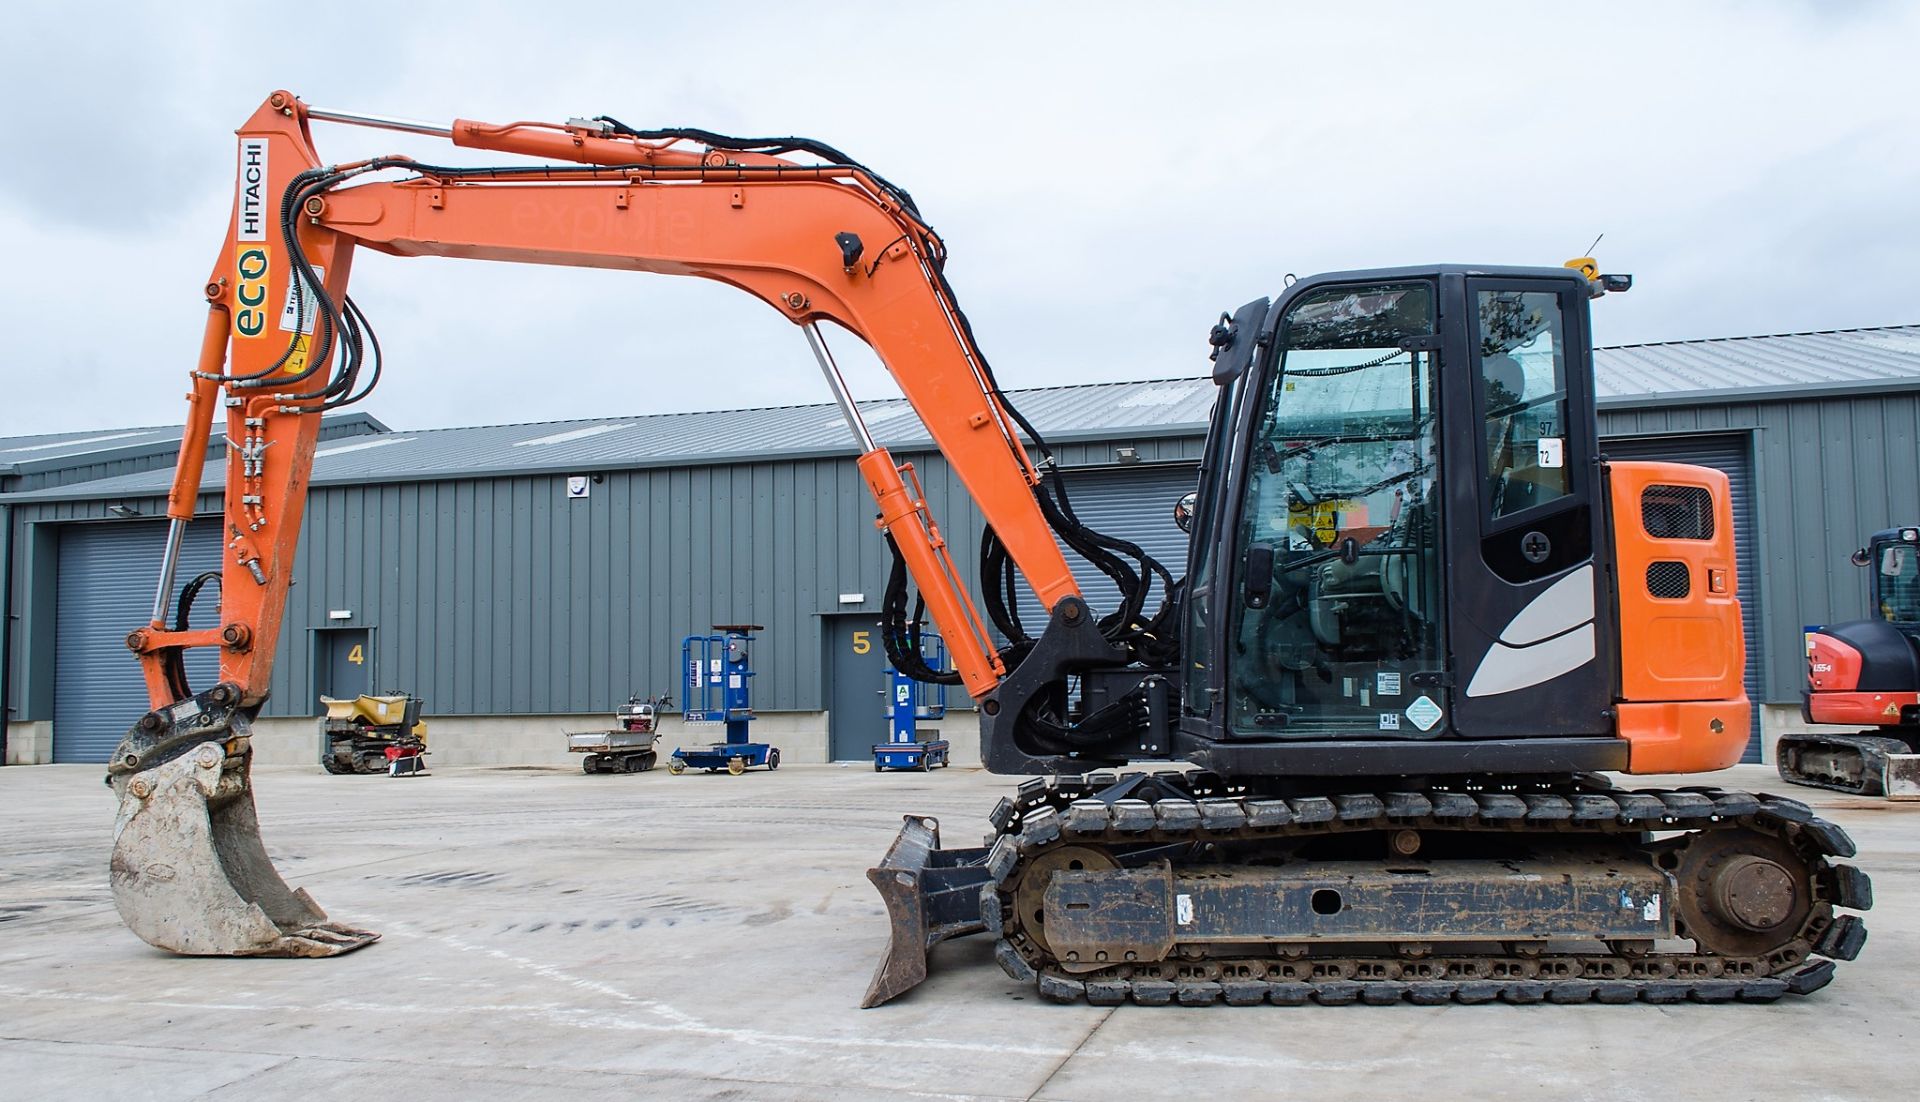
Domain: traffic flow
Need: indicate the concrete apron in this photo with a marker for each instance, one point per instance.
(550, 933)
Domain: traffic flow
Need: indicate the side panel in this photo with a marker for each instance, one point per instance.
(1730, 454)
(1682, 648)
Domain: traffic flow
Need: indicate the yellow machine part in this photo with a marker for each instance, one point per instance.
(373, 710)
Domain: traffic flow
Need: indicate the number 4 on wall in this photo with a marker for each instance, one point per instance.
(358, 655)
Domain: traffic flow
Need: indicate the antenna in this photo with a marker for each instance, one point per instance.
(1595, 245)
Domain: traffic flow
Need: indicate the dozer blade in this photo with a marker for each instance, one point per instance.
(931, 894)
(1903, 776)
(190, 874)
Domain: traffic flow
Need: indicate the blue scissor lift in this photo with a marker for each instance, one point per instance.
(908, 702)
(718, 689)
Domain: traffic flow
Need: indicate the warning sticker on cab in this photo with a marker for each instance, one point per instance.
(1424, 713)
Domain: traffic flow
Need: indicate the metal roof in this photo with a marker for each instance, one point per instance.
(1675, 371)
(1784, 365)
(61, 448)
(56, 450)
(1168, 407)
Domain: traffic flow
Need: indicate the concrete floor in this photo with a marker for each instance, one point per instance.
(709, 937)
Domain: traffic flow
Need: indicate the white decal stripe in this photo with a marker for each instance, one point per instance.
(1564, 605)
(1505, 668)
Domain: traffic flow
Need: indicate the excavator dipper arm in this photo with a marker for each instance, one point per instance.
(284, 343)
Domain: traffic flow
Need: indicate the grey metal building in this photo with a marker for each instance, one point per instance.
(51, 460)
(458, 564)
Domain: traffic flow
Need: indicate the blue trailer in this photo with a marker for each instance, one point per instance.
(718, 689)
(908, 702)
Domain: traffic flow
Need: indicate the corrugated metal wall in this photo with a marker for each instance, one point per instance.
(502, 596)
(457, 578)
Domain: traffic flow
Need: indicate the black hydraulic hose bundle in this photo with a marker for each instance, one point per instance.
(900, 633)
(183, 613)
(334, 324)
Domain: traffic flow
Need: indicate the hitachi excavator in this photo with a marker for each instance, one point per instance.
(1423, 612)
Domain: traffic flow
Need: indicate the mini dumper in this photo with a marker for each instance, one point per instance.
(629, 747)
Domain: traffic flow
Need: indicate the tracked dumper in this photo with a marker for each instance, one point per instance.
(627, 748)
(1866, 674)
(357, 733)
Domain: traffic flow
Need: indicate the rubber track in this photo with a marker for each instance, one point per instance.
(1045, 814)
(1872, 750)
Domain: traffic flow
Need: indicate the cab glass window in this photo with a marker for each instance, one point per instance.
(1338, 601)
(1523, 372)
(1900, 583)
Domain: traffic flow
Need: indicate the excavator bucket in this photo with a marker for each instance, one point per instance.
(932, 894)
(1903, 776)
(190, 874)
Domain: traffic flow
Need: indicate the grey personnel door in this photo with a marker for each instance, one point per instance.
(856, 686)
(344, 661)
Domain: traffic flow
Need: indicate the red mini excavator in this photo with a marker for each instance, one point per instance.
(1866, 674)
(1423, 614)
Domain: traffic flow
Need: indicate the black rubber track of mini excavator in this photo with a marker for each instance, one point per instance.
(1045, 815)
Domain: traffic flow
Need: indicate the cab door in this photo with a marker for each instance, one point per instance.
(1527, 556)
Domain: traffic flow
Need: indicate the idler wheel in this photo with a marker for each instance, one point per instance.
(1742, 893)
(1029, 895)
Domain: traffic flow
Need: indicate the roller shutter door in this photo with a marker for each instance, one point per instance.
(105, 589)
(1730, 454)
(1132, 503)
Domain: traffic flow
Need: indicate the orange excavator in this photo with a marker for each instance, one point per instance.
(1423, 612)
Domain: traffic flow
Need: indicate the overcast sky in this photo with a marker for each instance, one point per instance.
(1108, 177)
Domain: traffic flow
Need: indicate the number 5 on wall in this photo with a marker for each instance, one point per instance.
(862, 642)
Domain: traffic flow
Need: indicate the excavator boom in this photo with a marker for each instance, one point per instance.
(284, 342)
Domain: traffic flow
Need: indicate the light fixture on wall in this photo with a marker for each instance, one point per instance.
(1127, 455)
(124, 512)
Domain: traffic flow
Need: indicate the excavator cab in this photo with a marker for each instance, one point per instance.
(1894, 584)
(1397, 544)
(1412, 472)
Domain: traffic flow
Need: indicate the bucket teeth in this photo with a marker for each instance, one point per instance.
(190, 874)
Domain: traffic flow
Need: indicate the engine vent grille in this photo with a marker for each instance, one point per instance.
(1668, 580)
(1677, 512)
